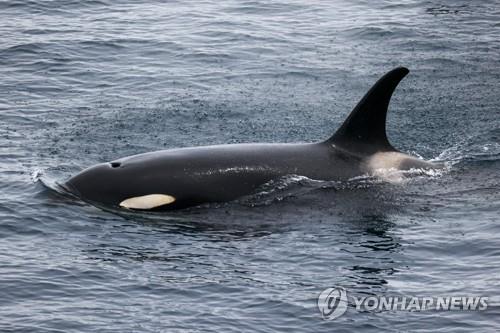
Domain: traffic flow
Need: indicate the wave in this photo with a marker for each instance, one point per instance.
(53, 6)
(481, 147)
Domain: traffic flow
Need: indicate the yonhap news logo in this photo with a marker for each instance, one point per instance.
(334, 302)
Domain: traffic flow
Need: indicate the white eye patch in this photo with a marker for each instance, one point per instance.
(149, 201)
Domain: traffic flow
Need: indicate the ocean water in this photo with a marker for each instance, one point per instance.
(82, 82)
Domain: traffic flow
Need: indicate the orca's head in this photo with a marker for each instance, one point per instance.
(117, 185)
(102, 183)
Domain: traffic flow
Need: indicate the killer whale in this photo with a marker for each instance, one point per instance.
(185, 177)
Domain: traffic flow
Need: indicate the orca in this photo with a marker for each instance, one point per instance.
(186, 177)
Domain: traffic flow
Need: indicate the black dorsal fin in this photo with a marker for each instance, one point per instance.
(364, 129)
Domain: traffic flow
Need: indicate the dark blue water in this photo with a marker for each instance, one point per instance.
(83, 82)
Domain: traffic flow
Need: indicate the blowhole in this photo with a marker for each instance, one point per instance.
(115, 164)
